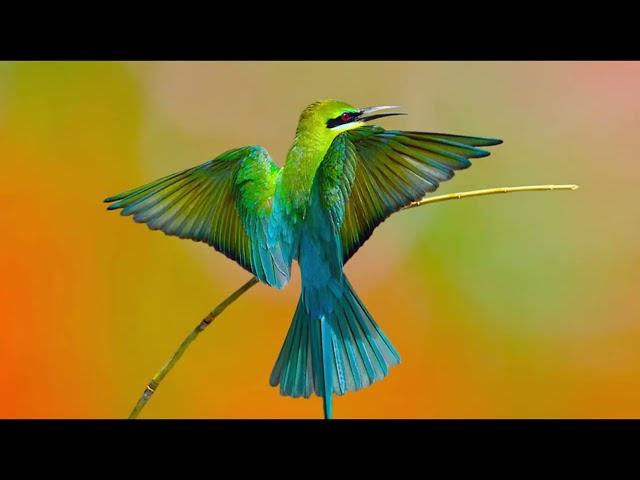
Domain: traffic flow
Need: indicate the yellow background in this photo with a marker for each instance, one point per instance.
(508, 306)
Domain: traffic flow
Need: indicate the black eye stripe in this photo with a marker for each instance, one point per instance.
(339, 120)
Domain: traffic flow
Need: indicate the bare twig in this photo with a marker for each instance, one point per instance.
(489, 191)
(153, 385)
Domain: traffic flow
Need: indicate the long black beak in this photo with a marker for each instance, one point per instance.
(366, 111)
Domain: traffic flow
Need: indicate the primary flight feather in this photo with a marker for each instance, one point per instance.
(341, 179)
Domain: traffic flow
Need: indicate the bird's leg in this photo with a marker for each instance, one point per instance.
(153, 385)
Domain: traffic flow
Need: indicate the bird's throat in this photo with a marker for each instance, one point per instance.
(303, 160)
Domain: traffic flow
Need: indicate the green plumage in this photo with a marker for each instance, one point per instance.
(341, 179)
(225, 202)
(386, 170)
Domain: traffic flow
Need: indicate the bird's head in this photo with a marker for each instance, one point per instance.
(328, 118)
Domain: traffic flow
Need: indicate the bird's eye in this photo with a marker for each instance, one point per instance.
(342, 119)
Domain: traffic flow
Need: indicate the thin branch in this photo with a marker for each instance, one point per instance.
(153, 385)
(489, 191)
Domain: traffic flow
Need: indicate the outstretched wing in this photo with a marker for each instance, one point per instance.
(224, 202)
(370, 173)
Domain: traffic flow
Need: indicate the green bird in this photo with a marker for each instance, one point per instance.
(341, 179)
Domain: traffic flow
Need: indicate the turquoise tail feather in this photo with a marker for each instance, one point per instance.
(327, 370)
(337, 349)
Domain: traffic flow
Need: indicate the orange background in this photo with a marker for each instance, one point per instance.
(510, 306)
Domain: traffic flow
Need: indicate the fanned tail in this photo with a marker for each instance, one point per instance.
(332, 350)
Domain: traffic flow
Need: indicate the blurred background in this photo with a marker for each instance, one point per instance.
(509, 306)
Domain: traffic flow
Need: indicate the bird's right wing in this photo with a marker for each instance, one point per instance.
(369, 173)
(225, 202)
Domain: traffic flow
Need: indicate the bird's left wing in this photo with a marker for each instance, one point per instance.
(225, 202)
(369, 173)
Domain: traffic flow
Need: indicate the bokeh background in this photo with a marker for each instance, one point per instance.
(508, 306)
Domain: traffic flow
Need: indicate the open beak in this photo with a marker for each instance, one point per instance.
(365, 117)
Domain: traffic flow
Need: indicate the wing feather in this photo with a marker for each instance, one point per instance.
(381, 171)
(225, 202)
